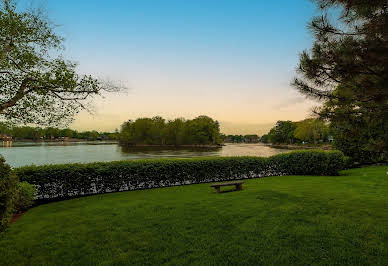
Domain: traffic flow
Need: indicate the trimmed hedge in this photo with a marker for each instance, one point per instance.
(70, 180)
(308, 162)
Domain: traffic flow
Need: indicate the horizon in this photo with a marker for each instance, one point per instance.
(232, 61)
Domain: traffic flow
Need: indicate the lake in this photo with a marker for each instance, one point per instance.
(23, 153)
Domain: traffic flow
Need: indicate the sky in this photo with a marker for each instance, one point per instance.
(232, 60)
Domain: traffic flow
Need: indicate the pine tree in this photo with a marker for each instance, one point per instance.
(347, 70)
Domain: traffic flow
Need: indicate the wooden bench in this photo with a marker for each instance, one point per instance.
(237, 184)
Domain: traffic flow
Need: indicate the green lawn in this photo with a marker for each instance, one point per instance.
(274, 220)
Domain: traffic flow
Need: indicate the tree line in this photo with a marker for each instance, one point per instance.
(37, 133)
(202, 130)
(309, 130)
(253, 138)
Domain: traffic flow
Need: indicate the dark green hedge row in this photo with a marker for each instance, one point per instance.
(69, 180)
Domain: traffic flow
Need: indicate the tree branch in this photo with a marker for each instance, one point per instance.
(19, 95)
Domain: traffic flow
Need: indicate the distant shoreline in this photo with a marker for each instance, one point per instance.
(57, 140)
(299, 146)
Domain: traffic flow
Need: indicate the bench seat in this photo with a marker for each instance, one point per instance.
(237, 184)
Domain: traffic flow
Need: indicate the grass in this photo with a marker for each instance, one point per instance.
(274, 220)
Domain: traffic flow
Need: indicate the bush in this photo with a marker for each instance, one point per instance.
(70, 180)
(25, 196)
(8, 182)
(308, 162)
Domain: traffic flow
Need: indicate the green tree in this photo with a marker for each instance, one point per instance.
(36, 87)
(311, 130)
(234, 138)
(67, 132)
(52, 132)
(141, 131)
(264, 138)
(347, 70)
(175, 132)
(253, 138)
(157, 130)
(5, 129)
(202, 130)
(282, 132)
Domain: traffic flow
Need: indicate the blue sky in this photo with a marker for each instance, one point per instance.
(232, 59)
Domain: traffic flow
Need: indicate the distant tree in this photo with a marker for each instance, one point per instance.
(4, 129)
(234, 138)
(51, 132)
(282, 132)
(109, 136)
(253, 138)
(202, 130)
(347, 70)
(141, 131)
(157, 130)
(93, 135)
(36, 133)
(36, 87)
(242, 139)
(264, 138)
(67, 132)
(311, 130)
(174, 132)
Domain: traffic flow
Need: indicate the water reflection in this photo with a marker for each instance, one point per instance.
(7, 143)
(162, 152)
(19, 154)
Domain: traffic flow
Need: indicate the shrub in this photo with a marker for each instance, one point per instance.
(25, 196)
(8, 182)
(349, 162)
(308, 162)
(69, 180)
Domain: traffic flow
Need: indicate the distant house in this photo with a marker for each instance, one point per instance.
(330, 138)
(5, 137)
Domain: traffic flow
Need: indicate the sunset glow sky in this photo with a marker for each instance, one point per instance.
(232, 60)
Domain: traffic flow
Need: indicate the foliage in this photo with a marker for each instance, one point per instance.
(68, 180)
(311, 130)
(8, 183)
(264, 138)
(282, 132)
(37, 133)
(25, 196)
(364, 138)
(202, 130)
(309, 162)
(253, 138)
(289, 132)
(35, 86)
(298, 220)
(347, 70)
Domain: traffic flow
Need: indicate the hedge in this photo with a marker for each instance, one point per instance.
(71, 180)
(25, 196)
(8, 187)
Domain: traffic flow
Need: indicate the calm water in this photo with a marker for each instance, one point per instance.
(20, 154)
